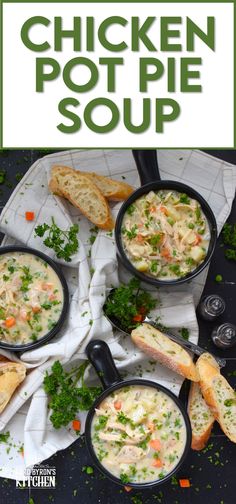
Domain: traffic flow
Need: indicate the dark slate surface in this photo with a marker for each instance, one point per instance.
(211, 472)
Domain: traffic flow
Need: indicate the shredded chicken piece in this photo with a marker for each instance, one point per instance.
(129, 454)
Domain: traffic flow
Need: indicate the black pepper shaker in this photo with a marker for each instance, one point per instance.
(224, 336)
(211, 307)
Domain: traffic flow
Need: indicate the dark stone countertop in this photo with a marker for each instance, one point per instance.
(211, 472)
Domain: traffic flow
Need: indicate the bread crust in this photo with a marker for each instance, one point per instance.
(11, 375)
(140, 336)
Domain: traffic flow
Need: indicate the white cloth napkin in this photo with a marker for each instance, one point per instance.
(26, 417)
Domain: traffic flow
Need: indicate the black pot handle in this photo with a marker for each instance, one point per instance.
(147, 165)
(99, 354)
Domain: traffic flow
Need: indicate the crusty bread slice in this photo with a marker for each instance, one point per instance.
(11, 375)
(83, 194)
(164, 350)
(111, 189)
(201, 417)
(218, 394)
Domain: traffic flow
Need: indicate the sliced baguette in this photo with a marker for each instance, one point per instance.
(218, 394)
(158, 346)
(201, 417)
(111, 189)
(83, 194)
(11, 375)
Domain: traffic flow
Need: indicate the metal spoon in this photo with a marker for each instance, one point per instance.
(196, 349)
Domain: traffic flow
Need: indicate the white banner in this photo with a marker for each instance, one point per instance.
(130, 75)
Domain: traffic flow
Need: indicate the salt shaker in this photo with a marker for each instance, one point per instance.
(224, 336)
(211, 307)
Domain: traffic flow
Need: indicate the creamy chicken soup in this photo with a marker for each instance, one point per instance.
(138, 434)
(31, 298)
(165, 234)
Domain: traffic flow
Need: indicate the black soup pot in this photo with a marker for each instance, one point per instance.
(50, 334)
(146, 162)
(100, 357)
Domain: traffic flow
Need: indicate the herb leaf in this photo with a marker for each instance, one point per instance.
(127, 302)
(65, 397)
(64, 243)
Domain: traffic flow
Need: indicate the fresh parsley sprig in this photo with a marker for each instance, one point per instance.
(65, 397)
(64, 243)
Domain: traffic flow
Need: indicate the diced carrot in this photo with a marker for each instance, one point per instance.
(152, 208)
(184, 483)
(36, 309)
(76, 424)
(164, 210)
(29, 216)
(117, 405)
(47, 286)
(139, 238)
(10, 322)
(198, 239)
(157, 463)
(151, 426)
(165, 252)
(137, 318)
(155, 444)
(127, 488)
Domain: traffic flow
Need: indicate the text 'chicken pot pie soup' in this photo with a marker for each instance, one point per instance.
(138, 434)
(31, 298)
(165, 234)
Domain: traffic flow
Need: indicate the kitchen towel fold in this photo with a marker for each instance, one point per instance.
(90, 274)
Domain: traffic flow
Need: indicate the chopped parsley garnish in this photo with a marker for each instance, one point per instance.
(154, 266)
(131, 209)
(154, 240)
(102, 421)
(198, 213)
(189, 261)
(132, 233)
(49, 304)
(124, 478)
(229, 402)
(184, 199)
(26, 279)
(143, 444)
(175, 268)
(122, 418)
(4, 437)
(184, 333)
